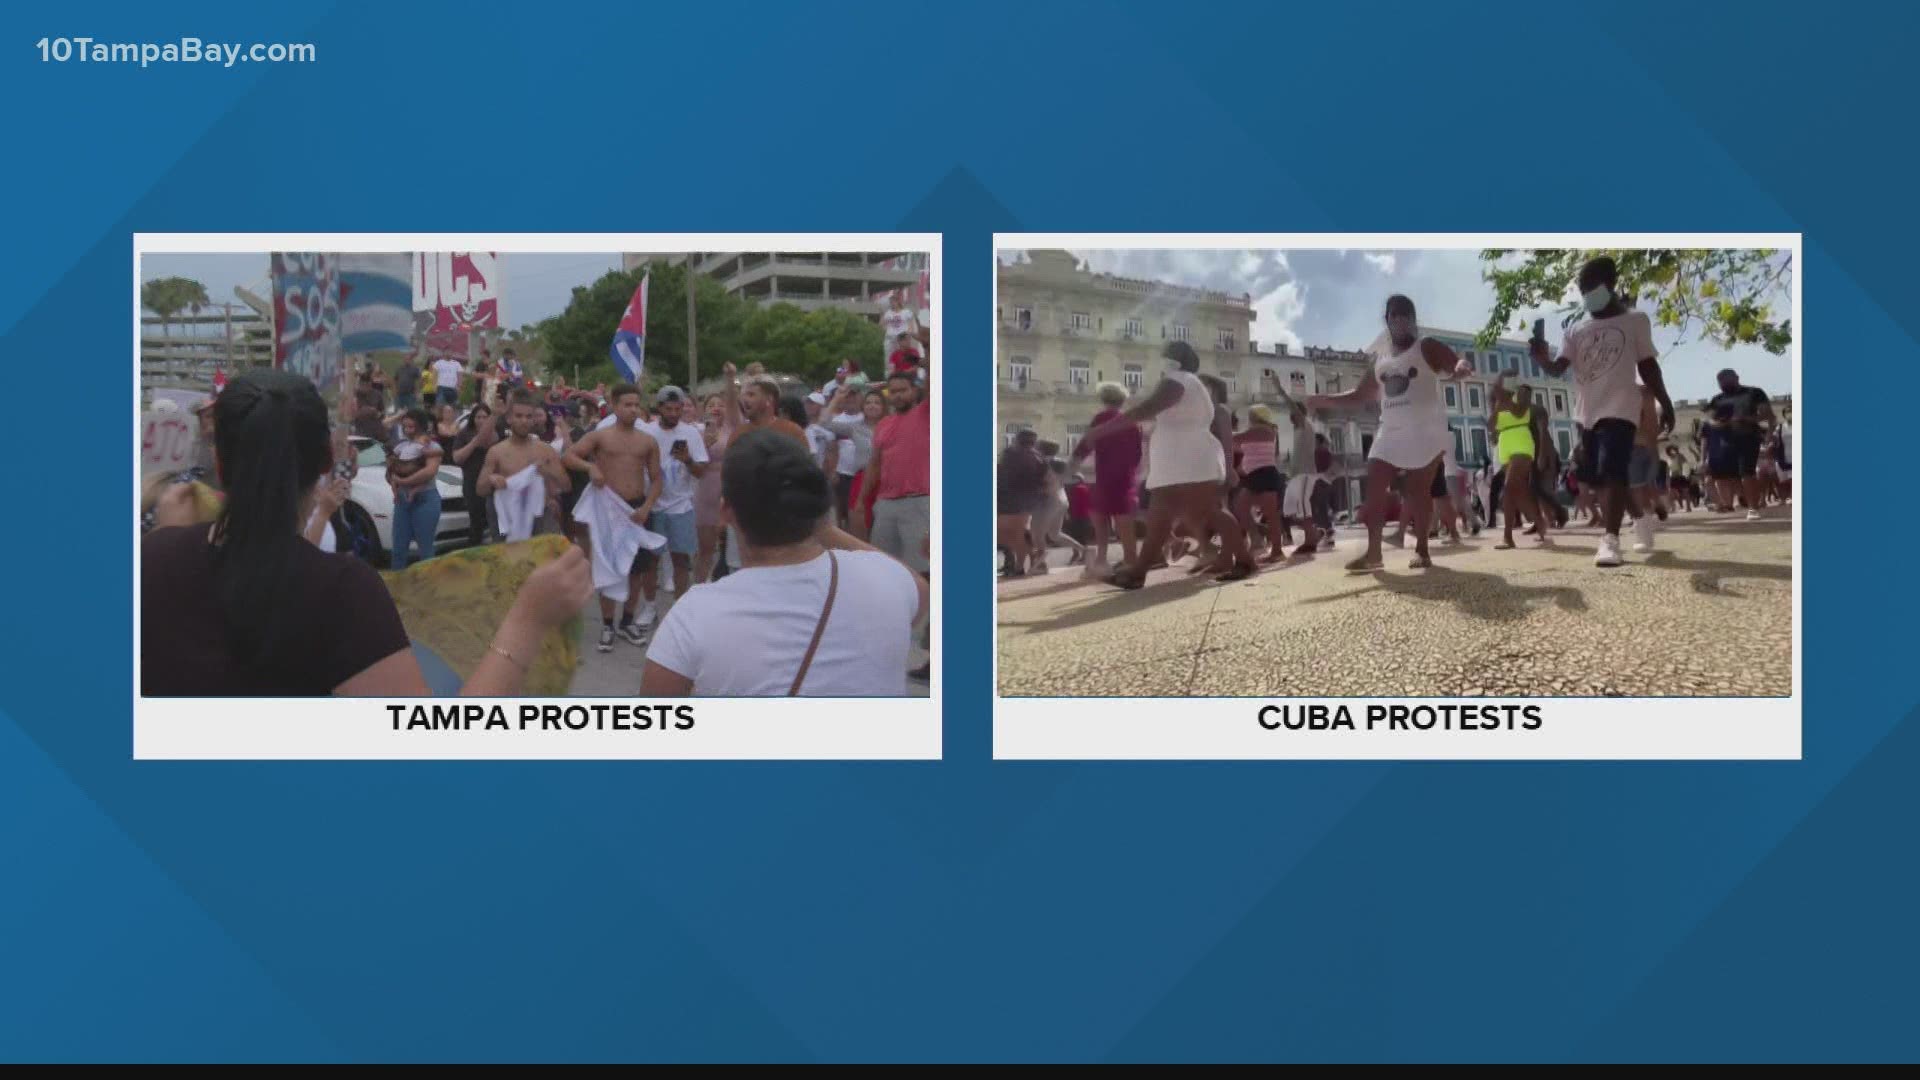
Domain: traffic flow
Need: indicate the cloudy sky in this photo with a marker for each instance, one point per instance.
(537, 286)
(1336, 298)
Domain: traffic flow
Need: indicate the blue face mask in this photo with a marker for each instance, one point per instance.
(1597, 300)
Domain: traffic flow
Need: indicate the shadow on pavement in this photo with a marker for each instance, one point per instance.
(1062, 584)
(1112, 602)
(1707, 574)
(1487, 597)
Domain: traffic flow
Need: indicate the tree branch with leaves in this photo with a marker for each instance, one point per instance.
(1726, 295)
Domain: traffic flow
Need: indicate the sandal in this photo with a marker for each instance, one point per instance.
(1364, 565)
(1125, 578)
(1239, 572)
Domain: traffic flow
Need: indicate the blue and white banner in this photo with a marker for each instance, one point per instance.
(376, 301)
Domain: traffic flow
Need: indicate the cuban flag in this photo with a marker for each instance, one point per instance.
(630, 341)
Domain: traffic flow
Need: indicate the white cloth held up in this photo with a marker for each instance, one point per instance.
(519, 502)
(614, 537)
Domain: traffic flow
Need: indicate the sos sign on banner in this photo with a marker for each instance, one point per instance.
(306, 315)
(461, 291)
(166, 441)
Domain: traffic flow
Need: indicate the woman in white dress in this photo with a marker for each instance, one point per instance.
(1405, 380)
(1189, 459)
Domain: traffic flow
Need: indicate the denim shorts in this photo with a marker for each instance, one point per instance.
(1607, 452)
(682, 537)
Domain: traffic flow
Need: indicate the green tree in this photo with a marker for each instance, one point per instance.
(1726, 295)
(788, 340)
(813, 344)
(582, 335)
(167, 297)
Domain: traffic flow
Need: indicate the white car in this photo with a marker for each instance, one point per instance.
(369, 505)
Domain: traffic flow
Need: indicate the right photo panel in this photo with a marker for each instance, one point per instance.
(1397, 497)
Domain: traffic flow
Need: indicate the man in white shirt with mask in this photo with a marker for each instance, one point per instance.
(1604, 353)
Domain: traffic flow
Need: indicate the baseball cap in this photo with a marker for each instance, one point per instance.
(669, 393)
(817, 398)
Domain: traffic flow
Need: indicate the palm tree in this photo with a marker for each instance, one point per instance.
(166, 297)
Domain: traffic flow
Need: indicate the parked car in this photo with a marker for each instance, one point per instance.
(369, 506)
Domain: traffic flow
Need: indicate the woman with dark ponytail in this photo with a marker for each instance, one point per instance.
(810, 612)
(248, 606)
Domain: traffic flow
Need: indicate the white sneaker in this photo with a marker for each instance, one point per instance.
(1643, 533)
(1609, 553)
(666, 582)
(644, 617)
(1753, 515)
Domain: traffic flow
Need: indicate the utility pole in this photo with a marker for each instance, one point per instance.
(693, 338)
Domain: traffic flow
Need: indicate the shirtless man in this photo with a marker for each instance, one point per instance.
(626, 459)
(520, 449)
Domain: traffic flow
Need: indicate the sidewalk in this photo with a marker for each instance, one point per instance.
(1709, 613)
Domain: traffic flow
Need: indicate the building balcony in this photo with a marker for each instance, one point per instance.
(1073, 388)
(1023, 387)
(1016, 328)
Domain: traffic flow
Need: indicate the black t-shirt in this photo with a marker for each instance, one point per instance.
(1023, 473)
(1741, 406)
(406, 379)
(347, 622)
(476, 461)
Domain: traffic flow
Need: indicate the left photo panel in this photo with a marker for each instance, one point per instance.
(584, 496)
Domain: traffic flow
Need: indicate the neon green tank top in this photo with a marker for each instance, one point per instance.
(1516, 433)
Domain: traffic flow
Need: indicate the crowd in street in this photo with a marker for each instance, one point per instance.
(1175, 472)
(793, 523)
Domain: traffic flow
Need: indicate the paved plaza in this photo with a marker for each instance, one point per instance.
(1709, 613)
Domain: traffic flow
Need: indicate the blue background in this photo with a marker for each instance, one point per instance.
(959, 909)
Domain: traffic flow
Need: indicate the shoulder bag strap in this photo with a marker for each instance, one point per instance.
(833, 589)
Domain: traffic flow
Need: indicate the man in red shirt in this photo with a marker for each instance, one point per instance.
(899, 482)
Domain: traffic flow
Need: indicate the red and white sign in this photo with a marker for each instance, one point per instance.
(461, 289)
(166, 441)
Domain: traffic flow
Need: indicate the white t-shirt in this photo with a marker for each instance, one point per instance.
(447, 373)
(1413, 422)
(744, 635)
(819, 439)
(895, 323)
(856, 441)
(1605, 354)
(676, 493)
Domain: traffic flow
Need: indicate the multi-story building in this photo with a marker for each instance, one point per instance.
(859, 281)
(1469, 401)
(194, 344)
(1064, 330)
